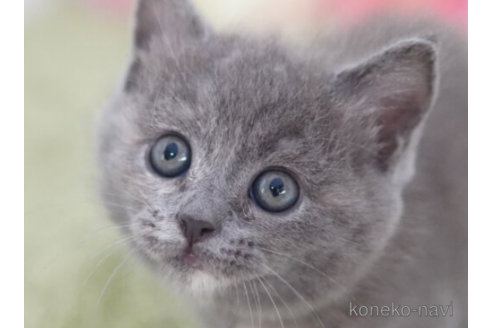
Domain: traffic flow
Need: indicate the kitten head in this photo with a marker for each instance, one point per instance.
(224, 159)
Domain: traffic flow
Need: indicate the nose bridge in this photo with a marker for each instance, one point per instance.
(206, 205)
(201, 216)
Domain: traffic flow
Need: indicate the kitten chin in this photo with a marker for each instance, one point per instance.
(200, 283)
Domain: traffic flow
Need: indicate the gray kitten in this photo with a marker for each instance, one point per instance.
(275, 187)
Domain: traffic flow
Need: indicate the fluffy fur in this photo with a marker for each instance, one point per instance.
(382, 213)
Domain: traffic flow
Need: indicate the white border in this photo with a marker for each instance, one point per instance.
(480, 163)
(12, 164)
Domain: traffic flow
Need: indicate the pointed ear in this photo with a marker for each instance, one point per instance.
(169, 19)
(394, 90)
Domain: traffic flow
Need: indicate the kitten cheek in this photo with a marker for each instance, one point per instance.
(159, 239)
(169, 188)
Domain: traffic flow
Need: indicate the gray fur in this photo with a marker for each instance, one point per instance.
(383, 207)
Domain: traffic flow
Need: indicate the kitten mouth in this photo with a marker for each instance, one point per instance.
(192, 260)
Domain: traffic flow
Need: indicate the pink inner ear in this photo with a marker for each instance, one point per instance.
(398, 119)
(397, 86)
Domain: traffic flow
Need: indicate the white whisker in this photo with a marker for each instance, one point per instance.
(79, 242)
(111, 276)
(249, 304)
(283, 301)
(296, 292)
(257, 301)
(273, 302)
(309, 266)
(93, 271)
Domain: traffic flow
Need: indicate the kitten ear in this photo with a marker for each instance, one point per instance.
(170, 19)
(395, 90)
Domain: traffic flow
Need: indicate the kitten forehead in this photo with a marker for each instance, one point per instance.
(241, 80)
(243, 109)
(256, 89)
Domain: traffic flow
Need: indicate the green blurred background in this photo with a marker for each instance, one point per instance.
(75, 51)
(73, 58)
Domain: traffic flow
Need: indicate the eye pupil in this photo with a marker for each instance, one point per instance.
(171, 151)
(170, 156)
(274, 191)
(277, 187)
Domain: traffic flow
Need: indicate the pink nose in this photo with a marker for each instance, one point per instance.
(195, 230)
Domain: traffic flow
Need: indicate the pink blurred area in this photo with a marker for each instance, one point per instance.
(455, 11)
(113, 5)
(346, 11)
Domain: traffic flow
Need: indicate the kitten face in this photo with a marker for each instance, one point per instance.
(245, 108)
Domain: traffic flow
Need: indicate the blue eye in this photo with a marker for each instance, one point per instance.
(170, 156)
(275, 191)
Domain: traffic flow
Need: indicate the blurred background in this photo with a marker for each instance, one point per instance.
(75, 51)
